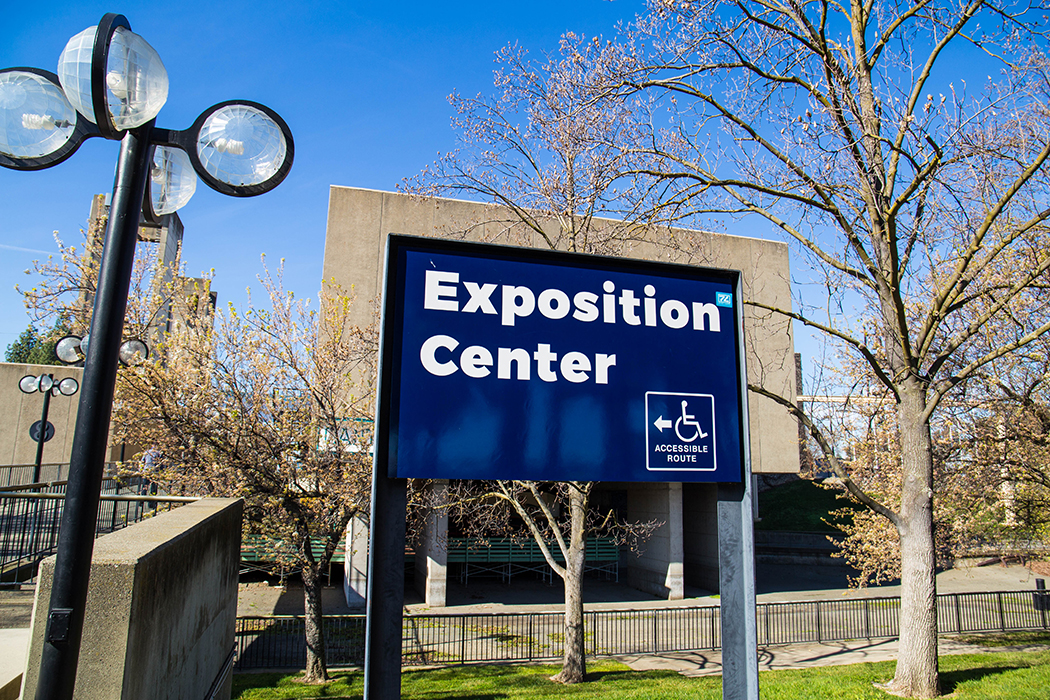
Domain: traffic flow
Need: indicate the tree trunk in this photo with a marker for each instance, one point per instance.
(916, 675)
(574, 665)
(316, 663)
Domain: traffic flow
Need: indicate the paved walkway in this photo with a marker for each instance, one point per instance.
(709, 663)
(526, 594)
(13, 646)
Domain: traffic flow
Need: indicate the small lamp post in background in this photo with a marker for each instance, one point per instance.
(112, 84)
(43, 431)
(45, 384)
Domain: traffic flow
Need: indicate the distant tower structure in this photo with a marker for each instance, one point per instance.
(193, 300)
(805, 456)
(182, 298)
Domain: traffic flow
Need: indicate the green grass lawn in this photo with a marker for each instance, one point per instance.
(1017, 676)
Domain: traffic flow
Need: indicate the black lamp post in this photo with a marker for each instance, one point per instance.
(112, 84)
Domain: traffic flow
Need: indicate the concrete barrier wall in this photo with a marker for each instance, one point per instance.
(656, 568)
(161, 608)
(798, 548)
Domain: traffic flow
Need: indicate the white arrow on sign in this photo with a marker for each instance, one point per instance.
(661, 423)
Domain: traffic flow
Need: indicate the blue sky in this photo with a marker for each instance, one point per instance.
(363, 87)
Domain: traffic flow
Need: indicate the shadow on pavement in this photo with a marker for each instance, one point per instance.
(783, 578)
(525, 590)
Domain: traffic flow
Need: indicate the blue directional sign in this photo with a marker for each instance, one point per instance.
(510, 363)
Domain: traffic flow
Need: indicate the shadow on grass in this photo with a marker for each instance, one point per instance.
(952, 679)
(442, 673)
(250, 681)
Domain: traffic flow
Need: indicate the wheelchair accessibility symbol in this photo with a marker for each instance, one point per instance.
(689, 423)
(680, 431)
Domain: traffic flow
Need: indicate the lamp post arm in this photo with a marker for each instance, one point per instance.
(65, 624)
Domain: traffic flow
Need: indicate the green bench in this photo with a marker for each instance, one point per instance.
(261, 553)
(505, 556)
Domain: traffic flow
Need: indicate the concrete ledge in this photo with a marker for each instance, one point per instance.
(161, 608)
(10, 690)
(13, 644)
(795, 541)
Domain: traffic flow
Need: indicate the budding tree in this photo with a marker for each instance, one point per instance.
(1006, 453)
(259, 404)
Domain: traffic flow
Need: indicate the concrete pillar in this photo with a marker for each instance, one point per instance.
(659, 568)
(675, 580)
(700, 534)
(432, 559)
(355, 566)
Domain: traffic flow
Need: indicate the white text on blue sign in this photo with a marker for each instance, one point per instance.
(442, 293)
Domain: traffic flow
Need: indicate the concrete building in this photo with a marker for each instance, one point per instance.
(22, 410)
(683, 550)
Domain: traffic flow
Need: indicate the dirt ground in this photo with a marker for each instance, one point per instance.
(267, 598)
(1040, 568)
(16, 608)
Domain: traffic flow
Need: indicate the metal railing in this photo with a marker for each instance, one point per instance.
(22, 474)
(278, 642)
(30, 515)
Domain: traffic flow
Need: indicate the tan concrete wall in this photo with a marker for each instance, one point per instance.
(700, 535)
(161, 608)
(648, 569)
(22, 410)
(359, 221)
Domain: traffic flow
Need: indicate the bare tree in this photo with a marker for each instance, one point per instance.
(546, 152)
(906, 182)
(860, 431)
(63, 289)
(551, 157)
(264, 406)
(62, 292)
(559, 517)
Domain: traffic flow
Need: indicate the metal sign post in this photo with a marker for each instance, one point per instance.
(385, 598)
(502, 363)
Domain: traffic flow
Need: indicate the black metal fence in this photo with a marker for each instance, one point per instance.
(278, 642)
(30, 514)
